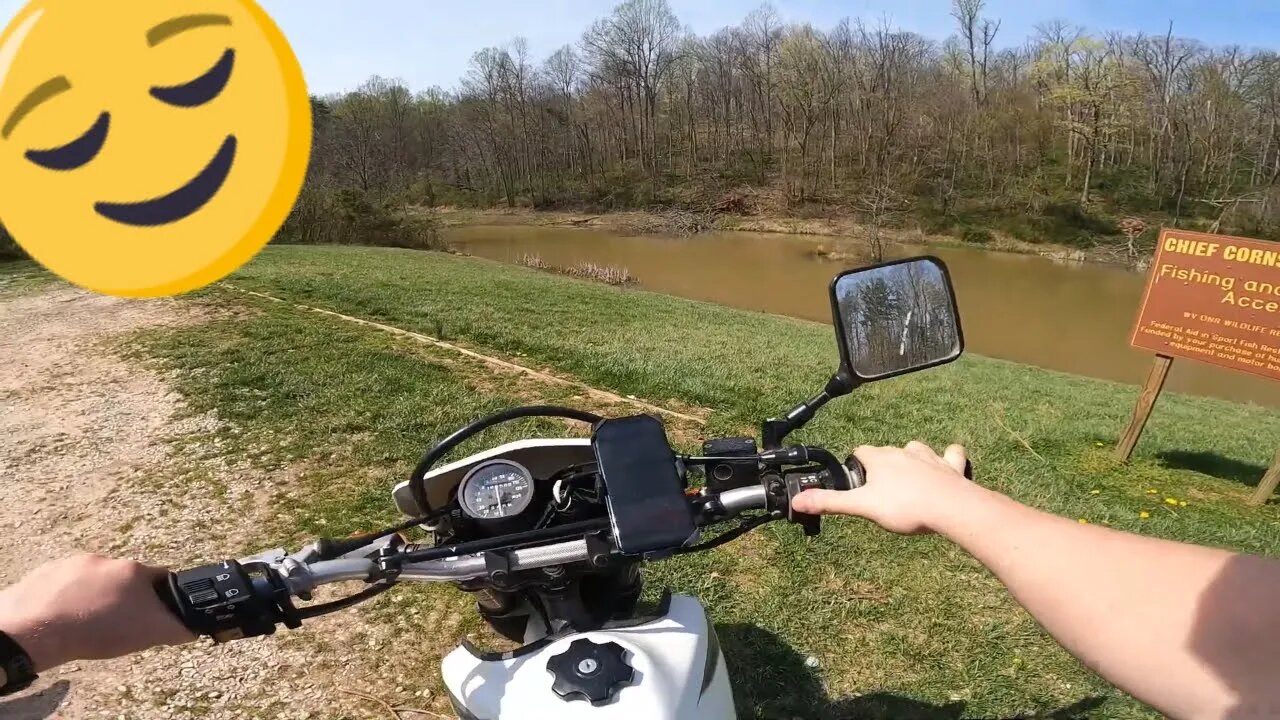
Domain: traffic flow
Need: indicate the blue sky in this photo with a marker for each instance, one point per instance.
(428, 42)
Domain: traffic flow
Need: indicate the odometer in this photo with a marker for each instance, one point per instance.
(496, 490)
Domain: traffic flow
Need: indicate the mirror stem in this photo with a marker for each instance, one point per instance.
(775, 430)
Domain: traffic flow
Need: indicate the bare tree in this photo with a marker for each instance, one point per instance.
(639, 41)
(979, 34)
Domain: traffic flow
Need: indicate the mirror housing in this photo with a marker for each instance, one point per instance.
(909, 300)
(895, 318)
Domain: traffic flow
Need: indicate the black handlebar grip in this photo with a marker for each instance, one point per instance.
(857, 473)
(167, 590)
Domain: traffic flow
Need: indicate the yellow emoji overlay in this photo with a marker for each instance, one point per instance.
(148, 147)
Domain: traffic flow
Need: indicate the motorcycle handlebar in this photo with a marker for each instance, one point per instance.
(739, 500)
(302, 578)
(234, 599)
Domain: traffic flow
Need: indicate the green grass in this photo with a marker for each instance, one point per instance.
(22, 276)
(900, 627)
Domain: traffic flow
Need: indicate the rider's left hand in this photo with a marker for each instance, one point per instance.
(86, 608)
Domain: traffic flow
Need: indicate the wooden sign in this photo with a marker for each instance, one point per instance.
(1215, 299)
(1211, 298)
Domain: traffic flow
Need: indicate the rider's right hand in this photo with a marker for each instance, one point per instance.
(908, 489)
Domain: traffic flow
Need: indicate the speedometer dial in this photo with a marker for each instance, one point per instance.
(496, 490)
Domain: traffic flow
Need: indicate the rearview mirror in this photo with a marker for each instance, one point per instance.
(896, 318)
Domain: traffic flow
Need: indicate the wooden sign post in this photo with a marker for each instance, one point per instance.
(1211, 298)
(1268, 485)
(1146, 402)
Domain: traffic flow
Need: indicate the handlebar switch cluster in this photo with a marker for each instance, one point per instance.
(796, 484)
(229, 600)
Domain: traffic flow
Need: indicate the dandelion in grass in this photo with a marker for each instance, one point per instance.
(1144, 515)
(1182, 503)
(1153, 491)
(1171, 501)
(1098, 444)
(1095, 492)
(1082, 521)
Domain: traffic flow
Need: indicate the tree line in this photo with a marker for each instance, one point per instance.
(1058, 138)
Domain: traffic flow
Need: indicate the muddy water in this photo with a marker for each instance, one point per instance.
(1069, 317)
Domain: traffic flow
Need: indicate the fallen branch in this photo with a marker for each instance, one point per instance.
(383, 703)
(419, 711)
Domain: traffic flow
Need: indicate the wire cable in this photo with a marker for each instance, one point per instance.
(368, 593)
(745, 527)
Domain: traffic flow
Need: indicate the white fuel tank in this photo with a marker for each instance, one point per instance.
(678, 673)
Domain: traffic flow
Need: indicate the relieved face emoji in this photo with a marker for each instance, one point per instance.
(148, 147)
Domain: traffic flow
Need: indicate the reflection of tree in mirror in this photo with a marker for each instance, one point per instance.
(897, 317)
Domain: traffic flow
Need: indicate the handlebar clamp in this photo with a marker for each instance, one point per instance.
(229, 600)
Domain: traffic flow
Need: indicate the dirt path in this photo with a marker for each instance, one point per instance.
(77, 420)
(87, 464)
(500, 366)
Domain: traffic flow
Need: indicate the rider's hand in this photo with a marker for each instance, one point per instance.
(907, 489)
(87, 608)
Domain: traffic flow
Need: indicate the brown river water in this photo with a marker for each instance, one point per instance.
(1071, 317)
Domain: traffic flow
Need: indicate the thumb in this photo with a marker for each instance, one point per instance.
(828, 502)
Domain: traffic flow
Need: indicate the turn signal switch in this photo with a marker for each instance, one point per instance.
(851, 475)
(229, 600)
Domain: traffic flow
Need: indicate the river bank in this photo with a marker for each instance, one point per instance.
(1071, 317)
(848, 236)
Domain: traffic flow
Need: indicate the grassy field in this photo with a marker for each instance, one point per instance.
(899, 627)
(22, 276)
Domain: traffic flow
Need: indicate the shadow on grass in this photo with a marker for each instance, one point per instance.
(1214, 465)
(771, 680)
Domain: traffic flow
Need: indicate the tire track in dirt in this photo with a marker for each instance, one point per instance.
(505, 365)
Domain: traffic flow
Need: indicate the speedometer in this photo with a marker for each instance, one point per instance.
(496, 490)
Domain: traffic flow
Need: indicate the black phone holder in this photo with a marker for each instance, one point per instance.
(644, 488)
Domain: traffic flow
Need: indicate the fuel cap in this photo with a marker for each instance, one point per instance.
(590, 671)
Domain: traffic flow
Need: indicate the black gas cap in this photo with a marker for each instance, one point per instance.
(590, 671)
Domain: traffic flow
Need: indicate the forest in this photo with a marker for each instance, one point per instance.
(1071, 136)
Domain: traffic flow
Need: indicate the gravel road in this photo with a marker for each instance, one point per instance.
(87, 463)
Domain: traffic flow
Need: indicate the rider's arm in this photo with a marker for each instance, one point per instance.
(1192, 631)
(87, 608)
